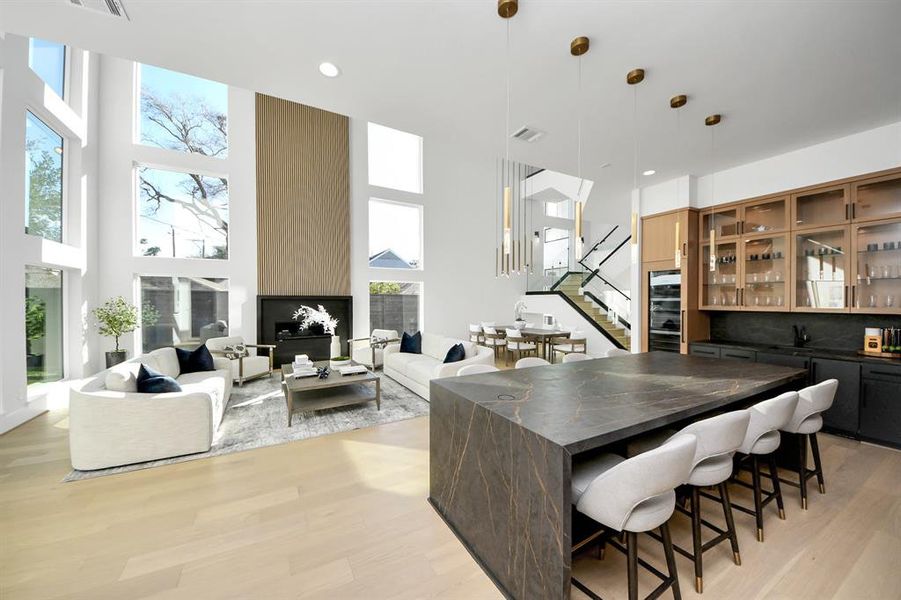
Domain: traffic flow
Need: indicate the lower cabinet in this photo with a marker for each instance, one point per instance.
(784, 360)
(704, 350)
(880, 404)
(738, 354)
(844, 415)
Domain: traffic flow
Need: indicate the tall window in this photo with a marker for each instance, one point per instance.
(182, 215)
(556, 251)
(43, 324)
(395, 159)
(48, 60)
(182, 311)
(395, 305)
(395, 235)
(43, 180)
(183, 113)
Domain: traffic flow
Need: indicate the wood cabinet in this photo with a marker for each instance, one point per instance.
(665, 236)
(876, 264)
(821, 273)
(750, 273)
(876, 198)
(819, 207)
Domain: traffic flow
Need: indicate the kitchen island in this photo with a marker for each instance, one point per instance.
(502, 446)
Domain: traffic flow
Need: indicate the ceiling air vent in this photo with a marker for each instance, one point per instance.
(112, 8)
(527, 134)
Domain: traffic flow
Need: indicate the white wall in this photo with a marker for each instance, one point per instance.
(119, 154)
(75, 120)
(459, 284)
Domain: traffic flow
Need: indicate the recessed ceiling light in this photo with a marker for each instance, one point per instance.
(649, 172)
(329, 69)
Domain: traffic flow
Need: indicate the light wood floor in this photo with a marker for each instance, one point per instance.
(346, 516)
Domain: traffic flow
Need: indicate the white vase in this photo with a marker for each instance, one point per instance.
(335, 349)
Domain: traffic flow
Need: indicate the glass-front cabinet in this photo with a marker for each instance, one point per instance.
(876, 198)
(821, 207)
(821, 270)
(766, 216)
(765, 273)
(724, 222)
(877, 274)
(720, 276)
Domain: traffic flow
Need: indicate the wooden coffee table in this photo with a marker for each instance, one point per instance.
(313, 393)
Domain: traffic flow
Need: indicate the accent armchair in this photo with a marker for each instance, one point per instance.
(372, 353)
(244, 366)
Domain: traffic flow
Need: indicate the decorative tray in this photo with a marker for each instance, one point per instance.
(896, 355)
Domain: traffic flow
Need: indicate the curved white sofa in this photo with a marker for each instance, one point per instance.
(416, 371)
(111, 424)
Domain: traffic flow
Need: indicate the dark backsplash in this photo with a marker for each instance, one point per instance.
(832, 332)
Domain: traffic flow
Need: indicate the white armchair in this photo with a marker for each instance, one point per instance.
(244, 366)
(372, 353)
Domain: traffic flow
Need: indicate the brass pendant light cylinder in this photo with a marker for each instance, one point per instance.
(579, 46)
(713, 120)
(635, 76)
(578, 216)
(507, 8)
(507, 221)
(678, 101)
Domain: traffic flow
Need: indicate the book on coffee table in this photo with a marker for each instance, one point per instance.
(352, 370)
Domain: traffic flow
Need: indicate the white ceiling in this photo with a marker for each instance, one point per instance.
(783, 74)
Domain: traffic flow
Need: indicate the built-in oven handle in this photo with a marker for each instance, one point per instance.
(682, 325)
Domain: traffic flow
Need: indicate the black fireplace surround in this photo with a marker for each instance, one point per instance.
(275, 325)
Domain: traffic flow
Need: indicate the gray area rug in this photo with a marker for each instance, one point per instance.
(256, 417)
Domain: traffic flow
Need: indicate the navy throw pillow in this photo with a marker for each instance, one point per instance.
(195, 361)
(411, 344)
(455, 354)
(151, 382)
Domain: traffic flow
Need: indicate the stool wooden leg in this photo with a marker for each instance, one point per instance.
(670, 560)
(730, 522)
(802, 469)
(696, 538)
(777, 489)
(815, 447)
(632, 562)
(758, 504)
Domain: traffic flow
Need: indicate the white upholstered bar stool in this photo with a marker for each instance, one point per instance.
(813, 401)
(617, 352)
(530, 361)
(575, 357)
(633, 496)
(761, 441)
(476, 369)
(518, 345)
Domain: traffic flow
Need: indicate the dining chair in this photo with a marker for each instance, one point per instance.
(476, 369)
(806, 421)
(530, 361)
(494, 339)
(518, 345)
(574, 342)
(633, 496)
(616, 352)
(476, 335)
(575, 357)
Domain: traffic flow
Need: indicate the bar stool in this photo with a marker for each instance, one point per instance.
(761, 441)
(633, 496)
(530, 361)
(813, 401)
(575, 357)
(518, 345)
(476, 369)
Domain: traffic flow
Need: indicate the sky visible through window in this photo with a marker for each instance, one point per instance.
(182, 112)
(48, 60)
(397, 227)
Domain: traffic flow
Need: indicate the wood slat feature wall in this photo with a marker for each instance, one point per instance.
(303, 199)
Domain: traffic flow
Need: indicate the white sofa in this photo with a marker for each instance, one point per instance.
(416, 371)
(373, 357)
(111, 424)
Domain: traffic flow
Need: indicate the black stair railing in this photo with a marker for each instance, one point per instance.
(595, 273)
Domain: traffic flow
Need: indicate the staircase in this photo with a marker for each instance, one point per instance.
(570, 288)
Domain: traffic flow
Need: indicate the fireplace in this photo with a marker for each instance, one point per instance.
(275, 325)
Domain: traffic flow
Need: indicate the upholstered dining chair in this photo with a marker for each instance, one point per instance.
(476, 335)
(369, 351)
(518, 345)
(530, 361)
(616, 352)
(494, 339)
(761, 441)
(574, 342)
(476, 369)
(633, 496)
(807, 420)
(245, 366)
(575, 357)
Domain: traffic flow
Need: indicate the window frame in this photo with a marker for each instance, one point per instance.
(136, 214)
(421, 210)
(43, 116)
(67, 70)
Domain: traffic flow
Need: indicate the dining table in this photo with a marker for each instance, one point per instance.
(541, 336)
(502, 446)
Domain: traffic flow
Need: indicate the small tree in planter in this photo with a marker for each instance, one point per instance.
(114, 319)
(35, 328)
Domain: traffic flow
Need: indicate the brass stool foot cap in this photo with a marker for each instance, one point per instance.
(803, 503)
(699, 584)
(822, 488)
(737, 557)
(759, 534)
(601, 553)
(782, 513)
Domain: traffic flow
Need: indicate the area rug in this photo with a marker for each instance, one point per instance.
(256, 417)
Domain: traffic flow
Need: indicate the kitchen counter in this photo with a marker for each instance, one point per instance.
(851, 355)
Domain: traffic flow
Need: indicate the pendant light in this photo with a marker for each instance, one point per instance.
(578, 48)
(676, 103)
(506, 9)
(633, 78)
(711, 122)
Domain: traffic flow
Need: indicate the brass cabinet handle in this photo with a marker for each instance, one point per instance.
(682, 325)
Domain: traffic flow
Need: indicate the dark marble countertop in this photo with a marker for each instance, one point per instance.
(588, 404)
(851, 355)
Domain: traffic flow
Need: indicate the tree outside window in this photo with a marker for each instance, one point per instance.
(43, 180)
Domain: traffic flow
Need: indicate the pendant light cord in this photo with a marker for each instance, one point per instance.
(507, 119)
(635, 137)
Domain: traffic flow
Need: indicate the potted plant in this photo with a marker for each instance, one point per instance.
(114, 319)
(317, 321)
(35, 326)
(520, 306)
(339, 361)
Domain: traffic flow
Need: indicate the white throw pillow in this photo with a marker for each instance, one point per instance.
(470, 349)
(123, 377)
(167, 361)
